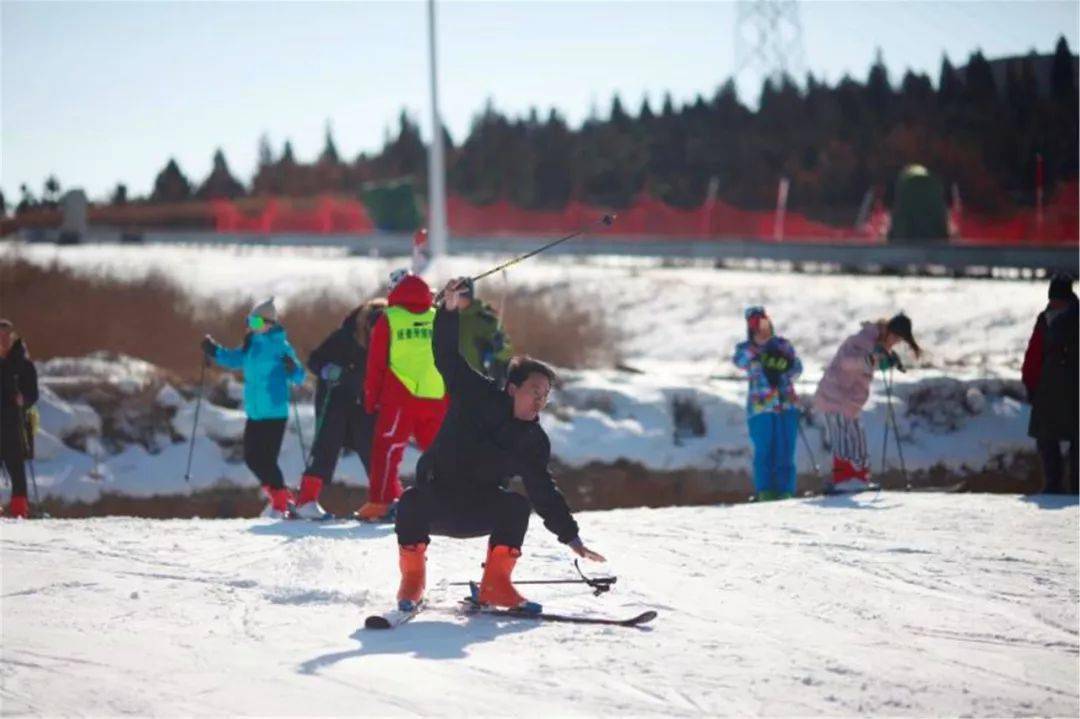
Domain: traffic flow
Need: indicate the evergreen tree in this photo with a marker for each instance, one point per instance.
(171, 185)
(220, 184)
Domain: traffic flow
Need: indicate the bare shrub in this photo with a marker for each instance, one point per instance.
(64, 314)
(558, 328)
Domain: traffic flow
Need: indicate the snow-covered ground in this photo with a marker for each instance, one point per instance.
(895, 604)
(958, 407)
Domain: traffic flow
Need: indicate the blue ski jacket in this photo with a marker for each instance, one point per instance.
(266, 382)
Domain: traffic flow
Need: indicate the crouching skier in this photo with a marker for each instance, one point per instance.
(269, 364)
(340, 419)
(772, 417)
(489, 436)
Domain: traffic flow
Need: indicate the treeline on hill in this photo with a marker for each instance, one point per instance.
(981, 127)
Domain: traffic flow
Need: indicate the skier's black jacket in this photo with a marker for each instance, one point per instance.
(342, 349)
(17, 376)
(481, 444)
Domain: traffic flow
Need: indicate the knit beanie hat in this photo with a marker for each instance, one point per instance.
(266, 310)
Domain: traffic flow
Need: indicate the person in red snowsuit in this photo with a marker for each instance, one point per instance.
(403, 388)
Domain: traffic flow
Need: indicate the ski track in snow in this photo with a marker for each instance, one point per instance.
(898, 604)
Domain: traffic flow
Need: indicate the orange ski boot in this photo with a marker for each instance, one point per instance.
(496, 589)
(412, 562)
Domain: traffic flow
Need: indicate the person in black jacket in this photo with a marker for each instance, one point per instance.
(18, 393)
(1050, 373)
(340, 420)
(489, 436)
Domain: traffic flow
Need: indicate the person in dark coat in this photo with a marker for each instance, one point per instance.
(1050, 375)
(489, 436)
(340, 419)
(18, 394)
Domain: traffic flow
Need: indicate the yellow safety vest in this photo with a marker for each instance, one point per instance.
(411, 358)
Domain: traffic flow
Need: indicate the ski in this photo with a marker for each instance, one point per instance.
(945, 488)
(832, 492)
(391, 619)
(643, 618)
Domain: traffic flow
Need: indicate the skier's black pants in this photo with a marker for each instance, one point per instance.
(13, 455)
(262, 445)
(346, 425)
(500, 513)
(1054, 466)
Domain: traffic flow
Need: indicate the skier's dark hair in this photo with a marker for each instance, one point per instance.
(522, 367)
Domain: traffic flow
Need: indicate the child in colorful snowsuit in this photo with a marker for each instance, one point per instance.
(844, 389)
(269, 364)
(772, 415)
(402, 387)
(340, 419)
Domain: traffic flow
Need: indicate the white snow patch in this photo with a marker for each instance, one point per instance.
(898, 605)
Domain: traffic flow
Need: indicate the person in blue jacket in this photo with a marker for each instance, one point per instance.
(269, 364)
(772, 416)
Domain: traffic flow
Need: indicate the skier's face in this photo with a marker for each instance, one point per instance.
(764, 330)
(530, 396)
(6, 340)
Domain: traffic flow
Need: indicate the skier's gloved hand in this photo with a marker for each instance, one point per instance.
(330, 372)
(453, 293)
(209, 346)
(582, 551)
(290, 364)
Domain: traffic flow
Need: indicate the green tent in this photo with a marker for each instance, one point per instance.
(392, 205)
(919, 213)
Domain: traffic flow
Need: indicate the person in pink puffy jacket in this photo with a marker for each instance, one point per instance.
(844, 389)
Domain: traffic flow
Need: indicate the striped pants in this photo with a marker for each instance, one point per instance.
(846, 438)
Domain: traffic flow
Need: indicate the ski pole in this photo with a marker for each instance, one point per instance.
(195, 423)
(26, 444)
(806, 442)
(299, 428)
(605, 220)
(599, 585)
(888, 414)
(33, 483)
(896, 429)
(319, 421)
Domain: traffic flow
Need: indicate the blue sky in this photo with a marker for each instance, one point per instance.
(104, 92)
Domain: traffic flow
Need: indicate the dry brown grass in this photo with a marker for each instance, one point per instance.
(557, 328)
(62, 314)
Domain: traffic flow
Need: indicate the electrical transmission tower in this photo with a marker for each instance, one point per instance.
(768, 40)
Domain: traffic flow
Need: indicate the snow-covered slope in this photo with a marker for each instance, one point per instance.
(678, 326)
(687, 318)
(894, 604)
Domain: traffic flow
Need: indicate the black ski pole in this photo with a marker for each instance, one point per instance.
(896, 429)
(599, 585)
(888, 414)
(195, 423)
(605, 220)
(26, 439)
(319, 419)
(299, 428)
(813, 459)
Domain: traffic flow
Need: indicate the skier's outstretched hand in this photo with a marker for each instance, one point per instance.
(582, 551)
(209, 347)
(451, 294)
